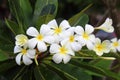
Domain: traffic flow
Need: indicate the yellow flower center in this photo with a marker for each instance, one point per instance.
(21, 39)
(57, 30)
(63, 50)
(24, 51)
(71, 39)
(85, 36)
(99, 47)
(115, 44)
(40, 37)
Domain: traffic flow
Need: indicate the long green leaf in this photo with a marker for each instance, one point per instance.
(14, 27)
(61, 73)
(37, 73)
(26, 10)
(95, 69)
(76, 18)
(3, 56)
(43, 19)
(74, 71)
(44, 8)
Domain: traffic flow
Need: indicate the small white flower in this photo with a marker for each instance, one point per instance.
(106, 26)
(54, 30)
(71, 40)
(25, 55)
(21, 40)
(61, 53)
(101, 47)
(39, 39)
(85, 36)
(115, 45)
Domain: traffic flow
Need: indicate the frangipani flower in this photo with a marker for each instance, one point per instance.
(25, 55)
(71, 40)
(115, 45)
(106, 26)
(101, 47)
(61, 53)
(53, 29)
(85, 36)
(39, 38)
(21, 40)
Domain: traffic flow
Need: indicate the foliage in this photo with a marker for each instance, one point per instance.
(25, 15)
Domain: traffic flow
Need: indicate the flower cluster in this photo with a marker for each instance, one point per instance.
(62, 41)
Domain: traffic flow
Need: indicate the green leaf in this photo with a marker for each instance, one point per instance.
(45, 7)
(97, 70)
(37, 73)
(6, 65)
(16, 12)
(76, 18)
(3, 56)
(14, 27)
(83, 20)
(77, 72)
(60, 72)
(43, 20)
(26, 10)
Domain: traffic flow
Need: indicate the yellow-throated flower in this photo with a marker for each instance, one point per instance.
(101, 47)
(39, 39)
(115, 45)
(61, 53)
(21, 40)
(85, 37)
(106, 26)
(24, 55)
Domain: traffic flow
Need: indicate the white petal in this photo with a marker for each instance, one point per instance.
(64, 25)
(89, 29)
(32, 43)
(18, 59)
(54, 48)
(26, 60)
(65, 41)
(90, 45)
(31, 53)
(53, 24)
(17, 49)
(114, 39)
(49, 39)
(108, 21)
(92, 38)
(97, 41)
(106, 45)
(45, 30)
(32, 31)
(66, 59)
(118, 48)
(99, 53)
(79, 30)
(81, 40)
(70, 52)
(42, 47)
(76, 46)
(57, 58)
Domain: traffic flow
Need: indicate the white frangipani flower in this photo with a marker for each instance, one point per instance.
(21, 40)
(61, 53)
(24, 55)
(53, 29)
(106, 26)
(71, 40)
(39, 39)
(115, 45)
(101, 47)
(85, 36)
